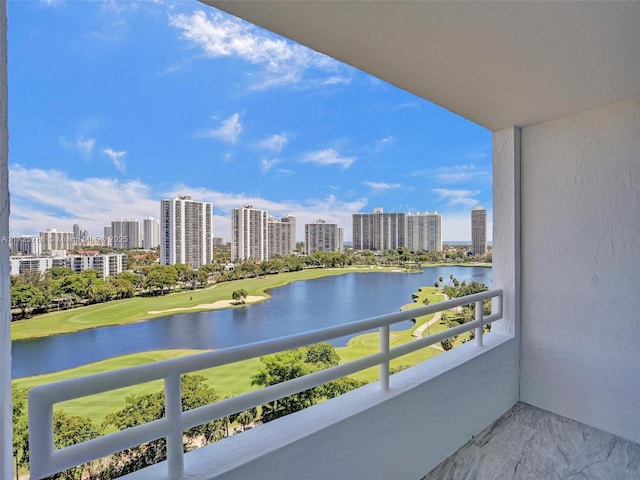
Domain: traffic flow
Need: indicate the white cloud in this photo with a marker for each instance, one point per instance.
(381, 186)
(228, 131)
(455, 174)
(282, 62)
(328, 156)
(409, 105)
(457, 198)
(329, 208)
(117, 158)
(338, 80)
(267, 165)
(119, 7)
(85, 146)
(274, 143)
(384, 142)
(44, 199)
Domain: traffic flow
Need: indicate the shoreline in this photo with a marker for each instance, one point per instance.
(217, 305)
(137, 309)
(214, 297)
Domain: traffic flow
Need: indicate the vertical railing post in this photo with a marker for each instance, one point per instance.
(173, 411)
(40, 435)
(384, 365)
(480, 327)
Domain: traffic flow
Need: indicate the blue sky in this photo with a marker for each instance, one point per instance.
(116, 105)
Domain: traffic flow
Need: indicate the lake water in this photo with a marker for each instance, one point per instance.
(294, 308)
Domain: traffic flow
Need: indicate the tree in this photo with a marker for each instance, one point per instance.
(138, 410)
(245, 417)
(26, 297)
(59, 272)
(141, 409)
(183, 272)
(239, 295)
(196, 393)
(279, 368)
(446, 344)
(161, 276)
(200, 278)
(69, 430)
(123, 288)
(322, 353)
(296, 363)
(20, 428)
(340, 386)
(135, 279)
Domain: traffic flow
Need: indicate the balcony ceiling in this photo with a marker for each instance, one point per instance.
(496, 63)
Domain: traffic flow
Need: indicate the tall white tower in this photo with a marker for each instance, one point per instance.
(249, 234)
(323, 237)
(282, 235)
(186, 232)
(151, 233)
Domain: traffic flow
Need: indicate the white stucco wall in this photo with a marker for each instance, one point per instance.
(431, 410)
(6, 470)
(581, 267)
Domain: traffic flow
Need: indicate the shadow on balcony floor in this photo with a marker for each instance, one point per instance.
(530, 443)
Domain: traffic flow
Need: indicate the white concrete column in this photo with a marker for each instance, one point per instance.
(506, 226)
(6, 436)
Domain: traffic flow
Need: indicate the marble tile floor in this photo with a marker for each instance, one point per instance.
(528, 443)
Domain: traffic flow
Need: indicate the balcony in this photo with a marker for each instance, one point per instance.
(559, 85)
(405, 391)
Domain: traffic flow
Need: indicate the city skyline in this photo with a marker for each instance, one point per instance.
(114, 106)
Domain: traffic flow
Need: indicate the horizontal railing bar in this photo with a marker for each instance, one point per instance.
(491, 318)
(84, 452)
(424, 342)
(208, 413)
(102, 382)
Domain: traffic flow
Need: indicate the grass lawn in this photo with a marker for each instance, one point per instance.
(232, 379)
(368, 343)
(131, 310)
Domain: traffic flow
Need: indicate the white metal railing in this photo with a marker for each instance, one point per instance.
(45, 459)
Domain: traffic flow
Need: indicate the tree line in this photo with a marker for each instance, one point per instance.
(61, 288)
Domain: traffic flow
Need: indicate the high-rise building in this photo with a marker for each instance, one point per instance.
(126, 233)
(30, 245)
(107, 239)
(79, 235)
(151, 233)
(323, 237)
(424, 232)
(478, 231)
(52, 240)
(282, 235)
(378, 230)
(249, 234)
(76, 234)
(186, 232)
